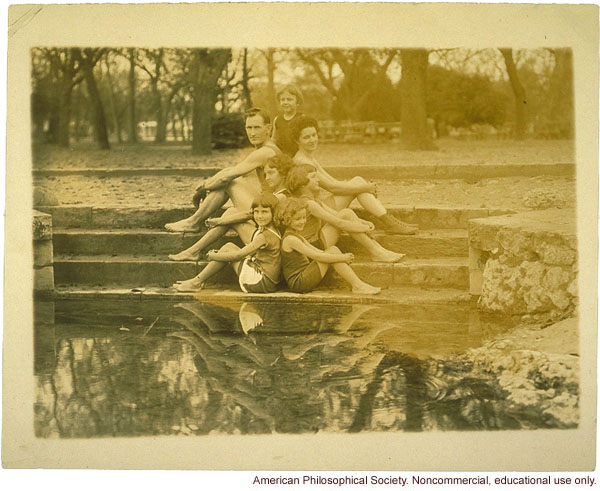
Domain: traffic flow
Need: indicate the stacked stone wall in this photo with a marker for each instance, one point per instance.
(525, 263)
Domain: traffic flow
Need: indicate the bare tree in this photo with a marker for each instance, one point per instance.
(205, 69)
(518, 92)
(415, 131)
(88, 59)
(361, 71)
(269, 55)
(54, 89)
(111, 97)
(561, 92)
(166, 78)
(131, 112)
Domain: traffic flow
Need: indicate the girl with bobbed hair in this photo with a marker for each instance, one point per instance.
(304, 265)
(304, 131)
(325, 223)
(257, 264)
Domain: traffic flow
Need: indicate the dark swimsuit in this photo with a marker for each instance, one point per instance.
(301, 273)
(283, 134)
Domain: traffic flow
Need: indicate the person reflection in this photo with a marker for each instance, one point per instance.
(252, 353)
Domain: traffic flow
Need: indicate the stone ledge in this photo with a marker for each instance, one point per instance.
(524, 263)
(43, 278)
(42, 225)
(42, 253)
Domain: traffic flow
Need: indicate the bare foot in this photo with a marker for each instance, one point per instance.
(366, 289)
(388, 257)
(184, 256)
(185, 225)
(192, 285)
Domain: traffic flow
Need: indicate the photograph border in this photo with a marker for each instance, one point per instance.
(291, 25)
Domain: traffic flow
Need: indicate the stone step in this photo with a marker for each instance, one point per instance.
(95, 217)
(151, 317)
(100, 303)
(388, 172)
(427, 243)
(145, 270)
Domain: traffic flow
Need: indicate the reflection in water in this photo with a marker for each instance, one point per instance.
(256, 368)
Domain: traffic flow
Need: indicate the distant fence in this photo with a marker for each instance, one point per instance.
(365, 131)
(349, 131)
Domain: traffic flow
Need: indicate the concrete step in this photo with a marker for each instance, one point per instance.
(388, 172)
(427, 243)
(153, 270)
(127, 241)
(146, 317)
(99, 303)
(94, 217)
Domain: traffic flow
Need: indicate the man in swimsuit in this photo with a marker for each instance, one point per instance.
(235, 182)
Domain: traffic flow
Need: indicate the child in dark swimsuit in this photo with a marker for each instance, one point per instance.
(304, 266)
(290, 99)
(257, 264)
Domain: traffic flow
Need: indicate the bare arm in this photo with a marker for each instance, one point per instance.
(225, 176)
(341, 188)
(333, 185)
(312, 252)
(233, 256)
(331, 217)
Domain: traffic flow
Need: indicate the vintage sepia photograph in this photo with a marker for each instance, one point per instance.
(302, 238)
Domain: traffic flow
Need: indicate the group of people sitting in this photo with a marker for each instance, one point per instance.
(287, 210)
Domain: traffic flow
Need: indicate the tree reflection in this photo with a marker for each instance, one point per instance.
(256, 368)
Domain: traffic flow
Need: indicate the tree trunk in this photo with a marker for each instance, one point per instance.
(111, 98)
(207, 66)
(561, 93)
(64, 115)
(246, 80)
(518, 92)
(415, 130)
(132, 120)
(87, 66)
(272, 104)
(161, 120)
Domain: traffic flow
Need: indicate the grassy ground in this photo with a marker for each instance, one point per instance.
(451, 151)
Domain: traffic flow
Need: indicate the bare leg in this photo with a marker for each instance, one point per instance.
(367, 200)
(212, 268)
(376, 250)
(213, 201)
(192, 253)
(329, 235)
(372, 204)
(197, 283)
(348, 274)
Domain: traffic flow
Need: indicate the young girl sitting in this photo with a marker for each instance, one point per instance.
(325, 223)
(290, 99)
(257, 264)
(304, 266)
